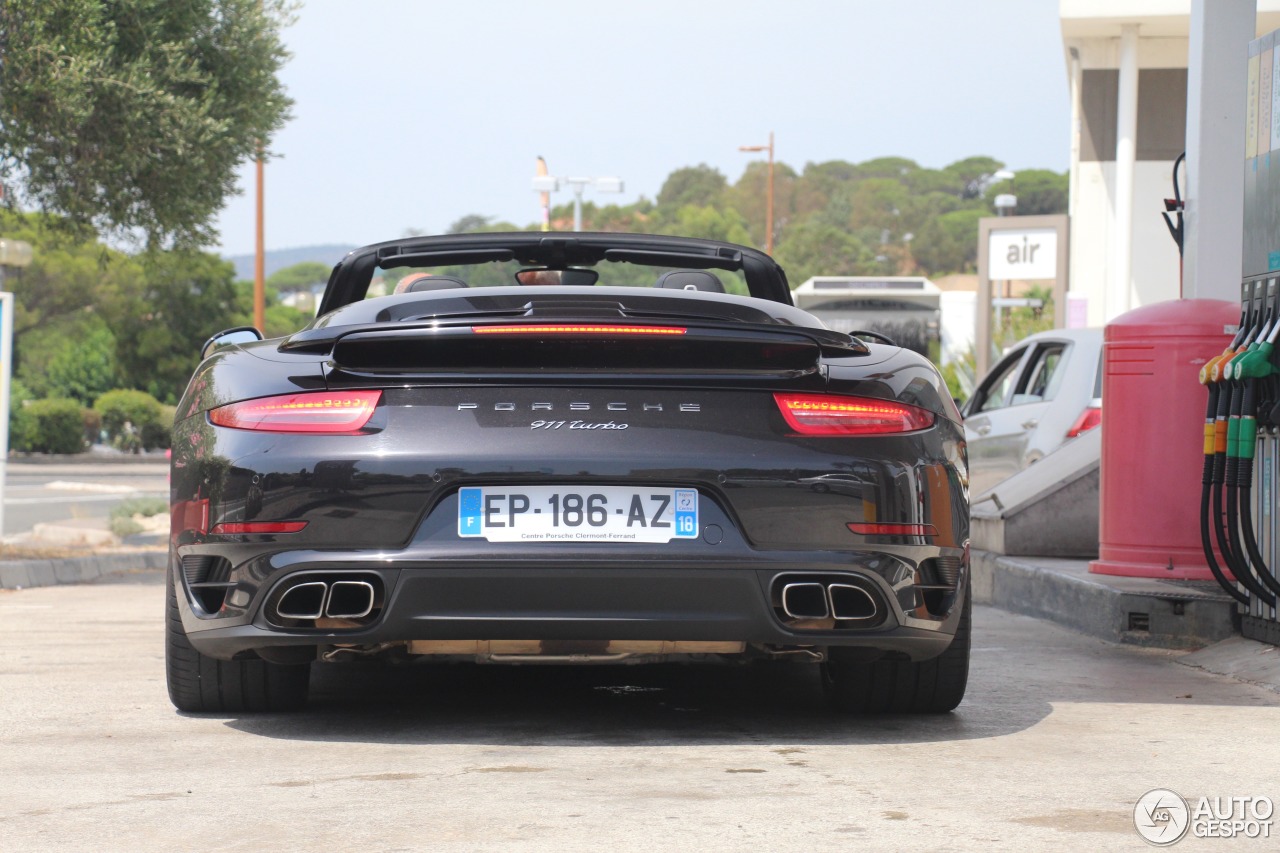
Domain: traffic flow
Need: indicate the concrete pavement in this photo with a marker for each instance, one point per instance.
(1058, 737)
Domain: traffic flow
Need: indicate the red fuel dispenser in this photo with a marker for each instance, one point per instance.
(1152, 437)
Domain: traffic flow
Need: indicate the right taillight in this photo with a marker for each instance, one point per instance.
(835, 414)
(1088, 419)
(311, 412)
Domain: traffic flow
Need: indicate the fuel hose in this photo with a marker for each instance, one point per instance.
(1210, 443)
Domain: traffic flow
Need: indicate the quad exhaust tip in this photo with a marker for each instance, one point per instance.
(349, 600)
(849, 602)
(340, 599)
(303, 601)
(844, 602)
(805, 601)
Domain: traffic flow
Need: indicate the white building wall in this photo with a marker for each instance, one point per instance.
(1155, 256)
(1091, 232)
(1090, 31)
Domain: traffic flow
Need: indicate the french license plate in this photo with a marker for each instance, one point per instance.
(577, 514)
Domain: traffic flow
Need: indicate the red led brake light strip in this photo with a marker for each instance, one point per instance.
(232, 528)
(569, 329)
(892, 529)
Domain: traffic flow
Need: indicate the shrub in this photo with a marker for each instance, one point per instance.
(122, 523)
(158, 433)
(22, 427)
(92, 425)
(129, 417)
(57, 426)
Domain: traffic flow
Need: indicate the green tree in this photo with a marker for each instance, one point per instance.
(877, 203)
(184, 297)
(972, 174)
(814, 248)
(749, 196)
(1039, 191)
(949, 243)
(133, 115)
(707, 223)
(85, 367)
(698, 185)
(470, 222)
(926, 181)
(70, 273)
(298, 277)
(823, 185)
(887, 167)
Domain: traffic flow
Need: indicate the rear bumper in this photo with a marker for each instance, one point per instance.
(560, 601)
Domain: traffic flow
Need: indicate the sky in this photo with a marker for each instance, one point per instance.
(410, 114)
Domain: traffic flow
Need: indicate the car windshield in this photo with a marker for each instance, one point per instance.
(511, 273)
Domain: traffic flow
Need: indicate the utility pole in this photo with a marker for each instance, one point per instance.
(259, 250)
(259, 261)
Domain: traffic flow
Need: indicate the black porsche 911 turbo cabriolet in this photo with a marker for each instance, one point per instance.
(566, 448)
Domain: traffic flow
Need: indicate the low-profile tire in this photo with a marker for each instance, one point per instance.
(934, 686)
(199, 683)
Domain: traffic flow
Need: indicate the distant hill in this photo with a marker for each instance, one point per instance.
(278, 259)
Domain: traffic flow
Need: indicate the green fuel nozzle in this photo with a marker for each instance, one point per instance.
(1253, 363)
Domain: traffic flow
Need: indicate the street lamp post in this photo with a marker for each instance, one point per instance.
(13, 253)
(1005, 204)
(550, 184)
(768, 215)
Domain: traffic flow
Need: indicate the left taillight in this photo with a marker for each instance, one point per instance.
(311, 412)
(835, 414)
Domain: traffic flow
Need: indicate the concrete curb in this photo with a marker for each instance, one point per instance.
(23, 574)
(1241, 659)
(1139, 611)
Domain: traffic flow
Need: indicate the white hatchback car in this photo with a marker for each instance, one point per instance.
(1045, 391)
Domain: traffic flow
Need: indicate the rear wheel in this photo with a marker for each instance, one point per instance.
(933, 686)
(200, 683)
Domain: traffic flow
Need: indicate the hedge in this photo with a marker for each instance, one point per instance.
(134, 419)
(54, 426)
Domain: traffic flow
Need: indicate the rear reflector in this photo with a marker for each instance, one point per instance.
(878, 529)
(832, 414)
(576, 329)
(1089, 418)
(314, 412)
(232, 528)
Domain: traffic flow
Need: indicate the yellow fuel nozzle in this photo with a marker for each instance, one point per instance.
(1212, 371)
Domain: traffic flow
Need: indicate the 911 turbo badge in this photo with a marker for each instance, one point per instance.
(459, 461)
(605, 425)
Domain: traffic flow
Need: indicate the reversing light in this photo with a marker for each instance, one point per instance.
(833, 414)
(576, 329)
(891, 529)
(311, 412)
(1089, 418)
(242, 527)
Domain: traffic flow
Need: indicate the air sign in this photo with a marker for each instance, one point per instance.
(1028, 254)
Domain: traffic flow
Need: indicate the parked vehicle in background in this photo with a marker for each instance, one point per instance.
(905, 309)
(1045, 391)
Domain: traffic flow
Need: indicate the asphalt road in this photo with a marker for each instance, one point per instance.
(36, 493)
(1059, 736)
